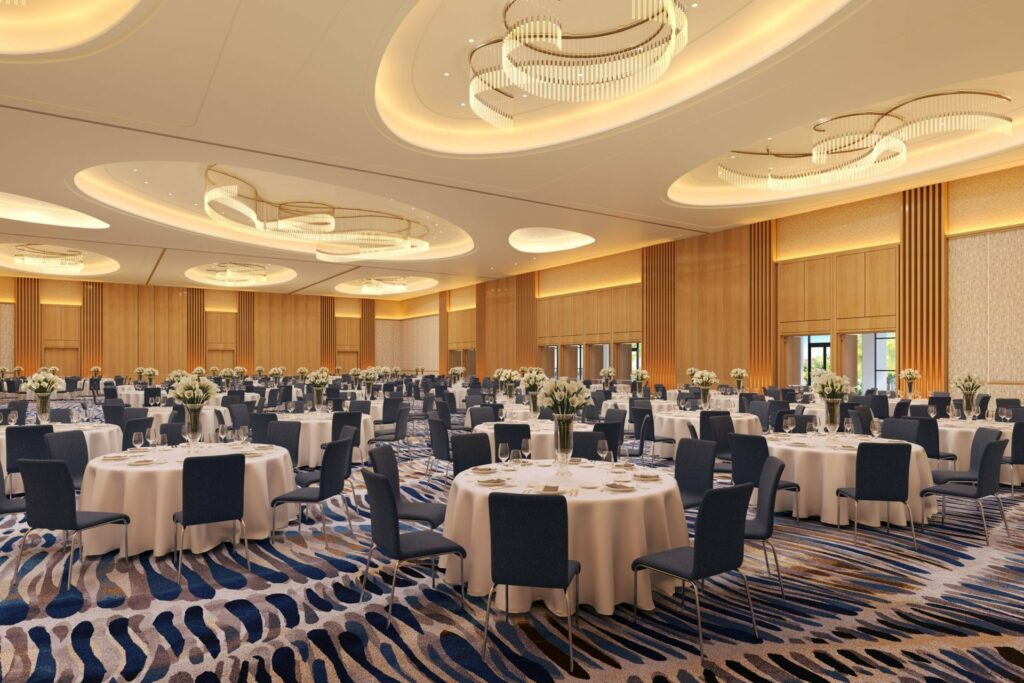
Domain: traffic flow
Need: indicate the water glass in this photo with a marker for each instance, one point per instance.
(876, 428)
(848, 425)
(503, 453)
(222, 433)
(524, 448)
(138, 438)
(517, 456)
(932, 411)
(789, 424)
(602, 449)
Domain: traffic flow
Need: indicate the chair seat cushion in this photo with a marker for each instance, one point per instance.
(10, 506)
(951, 476)
(307, 477)
(757, 529)
(663, 439)
(303, 494)
(957, 490)
(426, 543)
(677, 562)
(786, 485)
(431, 513)
(943, 456)
(691, 500)
(88, 520)
(847, 492)
(723, 467)
(383, 438)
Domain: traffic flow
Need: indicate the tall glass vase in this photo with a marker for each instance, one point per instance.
(705, 398)
(318, 398)
(832, 415)
(563, 441)
(739, 386)
(910, 388)
(534, 405)
(43, 408)
(969, 397)
(193, 426)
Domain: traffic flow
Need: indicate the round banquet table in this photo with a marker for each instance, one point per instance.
(607, 531)
(657, 406)
(730, 402)
(820, 468)
(956, 436)
(207, 420)
(542, 437)
(100, 438)
(151, 493)
(134, 397)
(316, 430)
(676, 423)
(249, 396)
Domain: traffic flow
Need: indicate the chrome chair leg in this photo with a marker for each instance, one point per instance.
(568, 625)
(71, 561)
(362, 587)
(1002, 512)
(778, 568)
(245, 541)
(487, 622)
(506, 603)
(750, 604)
(391, 598)
(984, 525)
(856, 510)
(910, 519)
(462, 580)
(433, 572)
(125, 525)
(21, 548)
(181, 551)
(796, 506)
(635, 613)
(323, 525)
(942, 521)
(764, 548)
(700, 626)
(273, 523)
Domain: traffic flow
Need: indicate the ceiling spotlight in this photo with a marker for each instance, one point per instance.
(446, 74)
(472, 40)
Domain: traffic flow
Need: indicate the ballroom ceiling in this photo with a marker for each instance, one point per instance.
(341, 100)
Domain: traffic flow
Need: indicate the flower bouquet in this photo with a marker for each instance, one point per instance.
(43, 384)
(739, 375)
(193, 392)
(564, 397)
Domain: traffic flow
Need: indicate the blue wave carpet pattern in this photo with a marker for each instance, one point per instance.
(878, 611)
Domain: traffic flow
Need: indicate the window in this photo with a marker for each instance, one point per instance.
(816, 355)
(635, 358)
(885, 360)
(579, 361)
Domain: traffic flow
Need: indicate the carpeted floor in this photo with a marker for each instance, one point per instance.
(952, 611)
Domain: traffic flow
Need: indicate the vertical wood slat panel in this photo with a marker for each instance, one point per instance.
(195, 324)
(328, 335)
(922, 322)
(443, 301)
(92, 326)
(481, 369)
(526, 320)
(28, 342)
(367, 332)
(763, 318)
(659, 312)
(245, 331)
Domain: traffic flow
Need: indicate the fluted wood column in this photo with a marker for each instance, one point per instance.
(328, 334)
(443, 301)
(367, 333)
(923, 314)
(659, 312)
(92, 326)
(28, 342)
(481, 331)
(195, 327)
(245, 328)
(526, 320)
(763, 319)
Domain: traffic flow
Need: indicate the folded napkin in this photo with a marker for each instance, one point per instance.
(614, 486)
(491, 482)
(647, 476)
(550, 488)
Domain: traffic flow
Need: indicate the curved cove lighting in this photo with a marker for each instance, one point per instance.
(236, 274)
(385, 285)
(55, 260)
(34, 27)
(547, 240)
(16, 207)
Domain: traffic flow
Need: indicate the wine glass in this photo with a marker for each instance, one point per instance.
(154, 435)
(222, 433)
(517, 456)
(524, 448)
(876, 428)
(602, 449)
(976, 411)
(243, 433)
(1004, 414)
(951, 411)
(138, 438)
(932, 411)
(503, 453)
(812, 423)
(848, 425)
(12, 417)
(789, 424)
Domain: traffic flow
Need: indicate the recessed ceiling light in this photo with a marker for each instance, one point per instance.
(446, 74)
(145, 182)
(16, 207)
(170, 194)
(525, 95)
(694, 5)
(462, 104)
(545, 240)
(472, 40)
(769, 139)
(135, 170)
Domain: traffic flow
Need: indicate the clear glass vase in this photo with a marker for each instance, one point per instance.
(43, 408)
(563, 441)
(534, 405)
(832, 415)
(193, 426)
(705, 398)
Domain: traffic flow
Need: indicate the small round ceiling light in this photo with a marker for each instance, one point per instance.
(547, 240)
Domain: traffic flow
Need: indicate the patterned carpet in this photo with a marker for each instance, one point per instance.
(952, 612)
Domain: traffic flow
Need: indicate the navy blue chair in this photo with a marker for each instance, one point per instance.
(941, 403)
(511, 434)
(882, 475)
(928, 439)
(408, 547)
(612, 432)
(717, 548)
(173, 432)
(694, 470)
(530, 547)
(987, 485)
(335, 468)
(749, 454)
(50, 504)
(72, 448)
(384, 463)
(9, 506)
(584, 445)
(982, 438)
(1015, 460)
(60, 415)
(721, 426)
(259, 424)
(342, 419)
(240, 416)
(212, 490)
(441, 446)
(286, 435)
(25, 443)
(762, 526)
(478, 415)
(389, 411)
(902, 408)
(113, 414)
(21, 407)
(469, 451)
(400, 432)
(133, 427)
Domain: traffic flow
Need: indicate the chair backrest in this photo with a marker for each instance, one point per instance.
(439, 439)
(749, 453)
(444, 413)
(383, 513)
(982, 402)
(468, 451)
(340, 420)
(510, 433)
(616, 415)
(113, 415)
(695, 466)
(259, 423)
(402, 423)
(359, 407)
(472, 400)
(941, 403)
(49, 494)
(883, 471)
(212, 489)
(760, 409)
(902, 428)
(705, 422)
(1008, 403)
(545, 414)
(612, 432)
(721, 428)
(335, 467)
(643, 423)
(286, 435)
(239, 415)
(529, 540)
(479, 415)
(917, 410)
(228, 400)
(285, 393)
(24, 443)
(151, 392)
(177, 413)
(131, 413)
(767, 490)
(109, 392)
(982, 438)
(174, 431)
(880, 406)
(70, 447)
(803, 422)
(384, 463)
(60, 415)
(780, 417)
(863, 415)
(719, 530)
(22, 408)
(774, 408)
(389, 410)
(988, 468)
(902, 408)
(133, 427)
(1017, 442)
(272, 398)
(584, 445)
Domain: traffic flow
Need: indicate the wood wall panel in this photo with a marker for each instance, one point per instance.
(763, 318)
(27, 324)
(367, 333)
(195, 327)
(287, 330)
(120, 329)
(162, 337)
(923, 316)
(598, 316)
(245, 351)
(462, 329)
(527, 353)
(499, 331)
(443, 302)
(481, 331)
(92, 326)
(329, 335)
(658, 286)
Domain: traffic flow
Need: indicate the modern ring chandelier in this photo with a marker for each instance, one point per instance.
(538, 56)
(865, 144)
(339, 233)
(49, 259)
(377, 286)
(233, 274)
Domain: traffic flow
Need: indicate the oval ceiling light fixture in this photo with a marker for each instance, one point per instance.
(385, 285)
(55, 260)
(43, 27)
(16, 207)
(547, 240)
(236, 274)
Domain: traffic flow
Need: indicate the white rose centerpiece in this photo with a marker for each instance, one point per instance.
(739, 375)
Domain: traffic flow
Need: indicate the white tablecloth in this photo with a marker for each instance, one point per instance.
(542, 437)
(730, 402)
(100, 439)
(820, 468)
(676, 423)
(956, 436)
(134, 397)
(249, 396)
(657, 406)
(607, 531)
(150, 494)
(316, 430)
